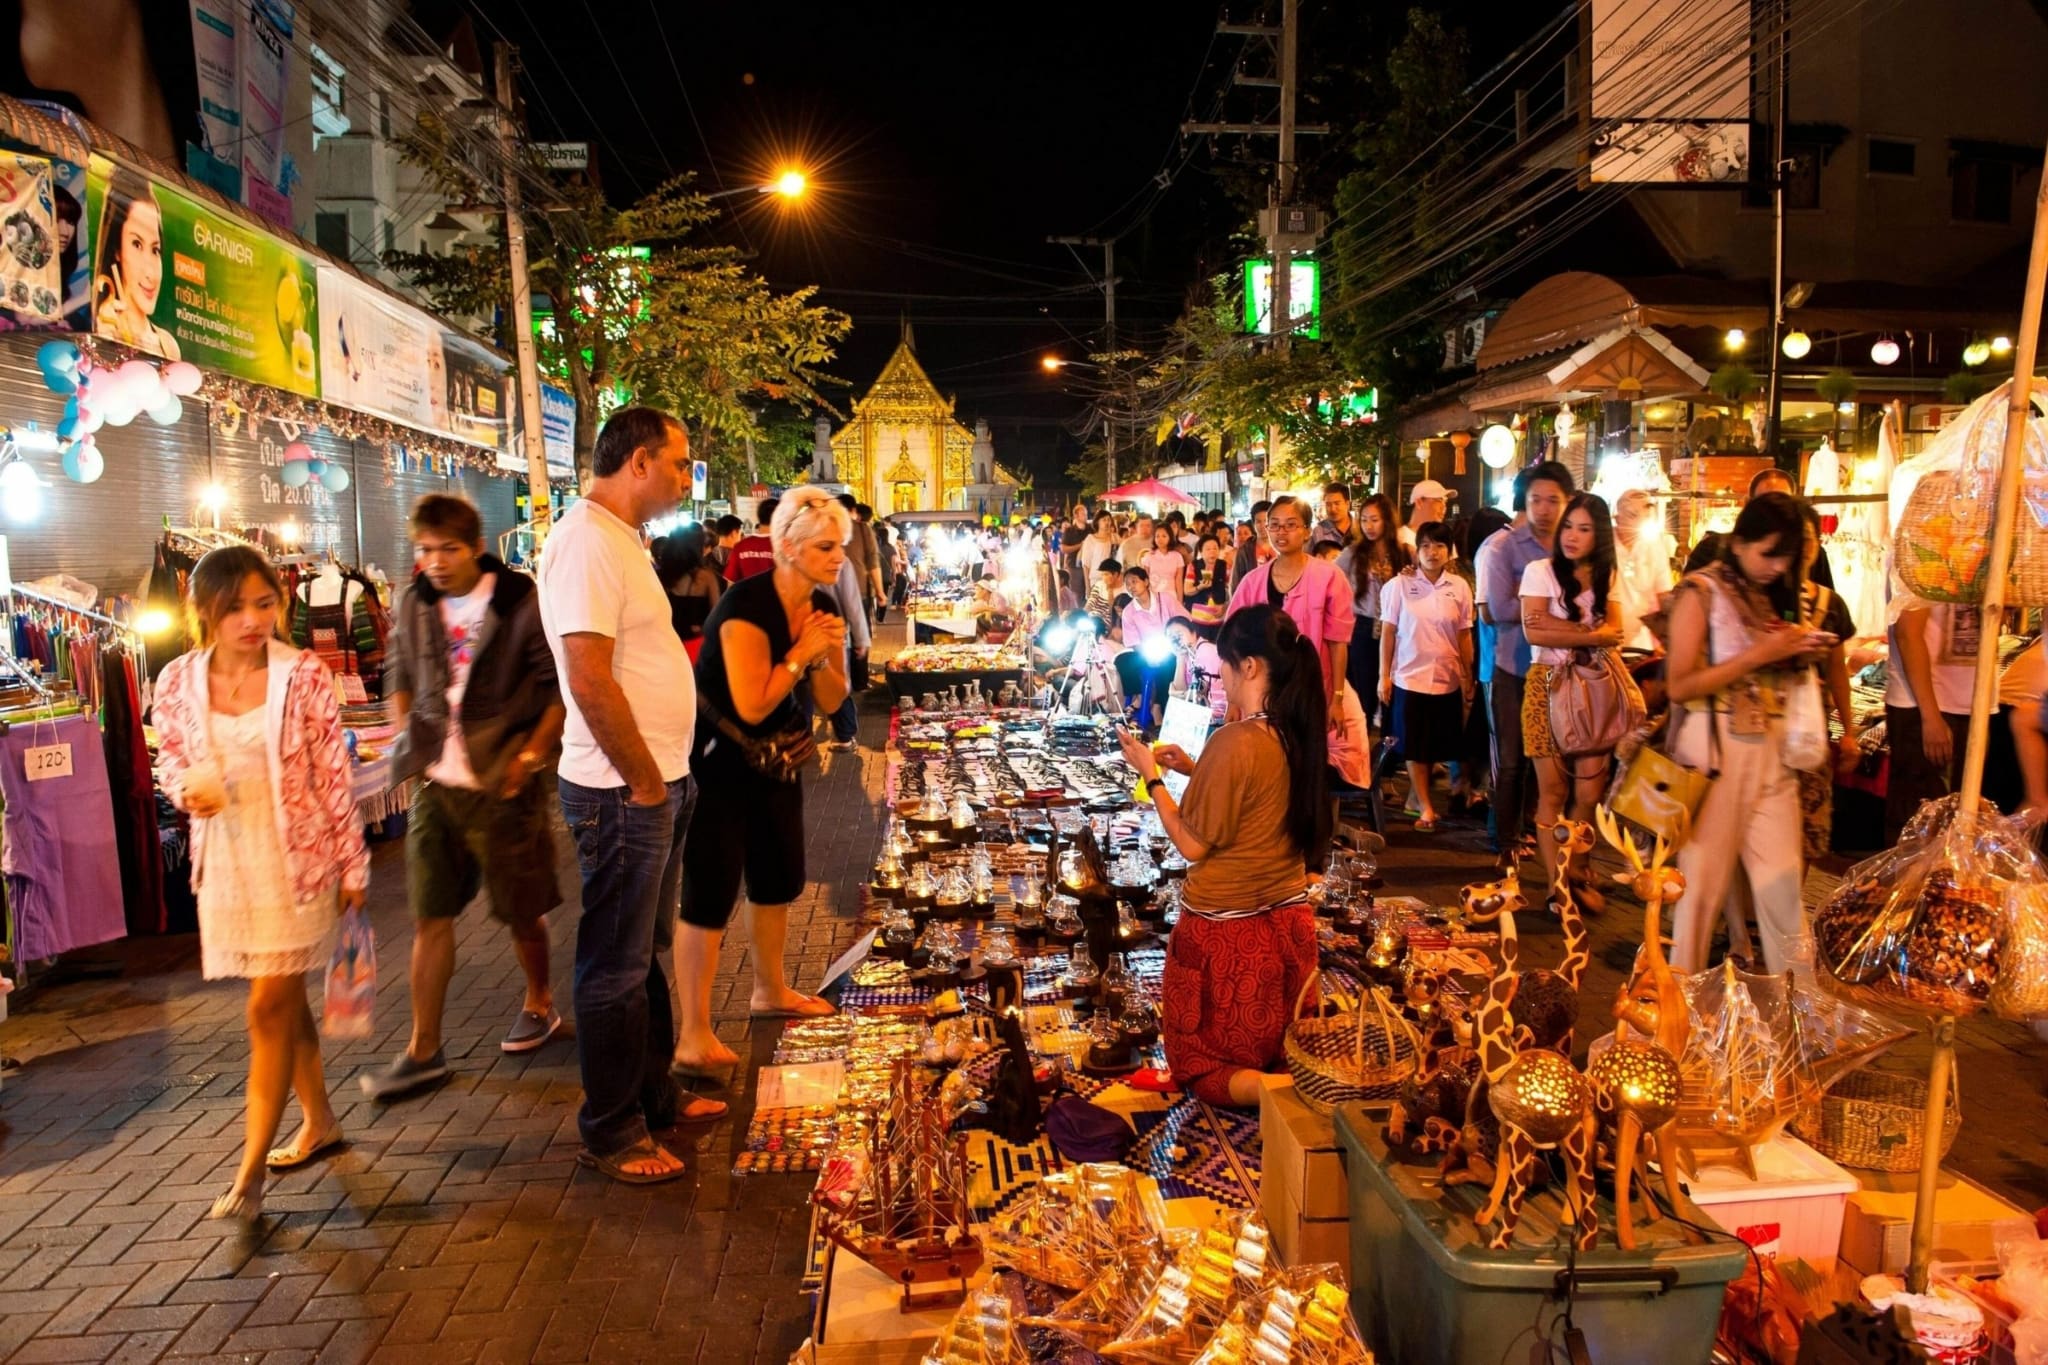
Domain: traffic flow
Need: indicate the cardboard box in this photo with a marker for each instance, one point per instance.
(1304, 1241)
(1969, 1221)
(859, 1318)
(1298, 1153)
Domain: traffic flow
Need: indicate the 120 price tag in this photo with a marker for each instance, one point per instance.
(47, 761)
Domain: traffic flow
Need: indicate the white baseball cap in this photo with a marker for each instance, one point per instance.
(1429, 488)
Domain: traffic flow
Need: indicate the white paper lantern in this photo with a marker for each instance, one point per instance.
(1496, 447)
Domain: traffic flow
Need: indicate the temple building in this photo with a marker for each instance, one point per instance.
(903, 450)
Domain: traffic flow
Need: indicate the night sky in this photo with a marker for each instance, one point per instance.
(948, 141)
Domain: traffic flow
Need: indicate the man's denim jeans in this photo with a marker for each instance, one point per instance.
(632, 863)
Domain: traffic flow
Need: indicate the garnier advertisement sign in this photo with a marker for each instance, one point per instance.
(175, 279)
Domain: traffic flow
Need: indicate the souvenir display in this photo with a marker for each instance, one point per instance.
(1196, 1293)
(1357, 1055)
(981, 1333)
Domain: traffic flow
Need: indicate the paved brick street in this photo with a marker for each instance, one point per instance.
(457, 1226)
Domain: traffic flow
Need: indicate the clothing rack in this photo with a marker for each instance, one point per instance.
(130, 636)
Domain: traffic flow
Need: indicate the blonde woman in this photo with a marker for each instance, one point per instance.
(770, 637)
(252, 750)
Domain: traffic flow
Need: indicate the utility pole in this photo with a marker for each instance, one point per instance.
(1287, 227)
(531, 432)
(1108, 245)
(1781, 172)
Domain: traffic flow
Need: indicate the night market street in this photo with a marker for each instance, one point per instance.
(457, 1226)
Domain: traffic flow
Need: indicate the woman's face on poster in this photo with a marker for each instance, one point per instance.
(140, 254)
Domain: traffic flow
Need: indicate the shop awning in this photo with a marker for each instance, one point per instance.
(1446, 410)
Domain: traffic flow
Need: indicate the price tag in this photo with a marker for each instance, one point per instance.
(47, 761)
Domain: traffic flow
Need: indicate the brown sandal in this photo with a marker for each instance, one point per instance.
(643, 1150)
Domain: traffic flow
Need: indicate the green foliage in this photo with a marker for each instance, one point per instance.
(1392, 258)
(687, 327)
(1965, 386)
(1734, 381)
(1837, 385)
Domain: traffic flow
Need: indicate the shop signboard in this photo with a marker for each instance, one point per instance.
(557, 434)
(379, 356)
(1669, 96)
(183, 282)
(264, 53)
(1304, 296)
(475, 391)
(35, 260)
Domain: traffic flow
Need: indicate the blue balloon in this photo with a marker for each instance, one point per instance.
(71, 406)
(294, 474)
(58, 382)
(70, 428)
(61, 356)
(335, 478)
(316, 467)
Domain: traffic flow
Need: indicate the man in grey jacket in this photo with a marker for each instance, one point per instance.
(473, 690)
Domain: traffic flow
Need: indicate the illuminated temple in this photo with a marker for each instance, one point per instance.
(903, 450)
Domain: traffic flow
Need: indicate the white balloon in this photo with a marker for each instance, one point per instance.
(182, 377)
(140, 378)
(167, 413)
(119, 410)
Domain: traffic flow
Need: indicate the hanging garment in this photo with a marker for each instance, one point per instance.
(132, 793)
(61, 865)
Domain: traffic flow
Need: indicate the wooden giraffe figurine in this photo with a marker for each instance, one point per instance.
(1652, 1003)
(1574, 840)
(1492, 1030)
(1503, 1060)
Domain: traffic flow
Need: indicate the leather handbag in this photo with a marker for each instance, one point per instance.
(1658, 792)
(781, 757)
(1594, 703)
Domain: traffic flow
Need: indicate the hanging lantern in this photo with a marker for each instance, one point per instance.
(1564, 424)
(1796, 345)
(1497, 447)
(1976, 353)
(1885, 351)
(1459, 441)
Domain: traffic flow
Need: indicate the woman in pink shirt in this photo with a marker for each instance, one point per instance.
(1311, 591)
(1166, 564)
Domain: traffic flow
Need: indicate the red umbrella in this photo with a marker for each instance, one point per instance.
(1150, 490)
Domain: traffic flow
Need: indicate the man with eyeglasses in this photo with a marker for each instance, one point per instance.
(1313, 591)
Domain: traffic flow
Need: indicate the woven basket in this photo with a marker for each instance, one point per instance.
(1874, 1120)
(1943, 543)
(1353, 1057)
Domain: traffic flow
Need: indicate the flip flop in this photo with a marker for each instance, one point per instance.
(615, 1165)
(812, 1008)
(703, 1071)
(1424, 825)
(285, 1159)
(711, 1112)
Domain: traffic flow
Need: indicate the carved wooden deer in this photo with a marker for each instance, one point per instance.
(1653, 1004)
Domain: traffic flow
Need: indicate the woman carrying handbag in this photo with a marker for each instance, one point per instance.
(1736, 653)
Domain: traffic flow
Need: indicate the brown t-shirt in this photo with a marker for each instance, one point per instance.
(1237, 805)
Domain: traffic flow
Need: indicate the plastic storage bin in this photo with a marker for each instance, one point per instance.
(1792, 1209)
(1426, 1290)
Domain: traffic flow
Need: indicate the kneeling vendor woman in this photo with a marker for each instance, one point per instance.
(1256, 811)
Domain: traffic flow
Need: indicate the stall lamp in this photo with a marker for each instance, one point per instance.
(1156, 650)
(289, 532)
(21, 492)
(1736, 339)
(1796, 345)
(1884, 351)
(213, 497)
(154, 622)
(1059, 640)
(2001, 345)
(1976, 353)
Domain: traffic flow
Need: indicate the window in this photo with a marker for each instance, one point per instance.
(330, 111)
(1980, 189)
(330, 234)
(390, 237)
(1889, 156)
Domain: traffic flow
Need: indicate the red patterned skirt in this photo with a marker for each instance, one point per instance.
(1228, 994)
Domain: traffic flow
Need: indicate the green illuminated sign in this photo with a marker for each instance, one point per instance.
(1304, 297)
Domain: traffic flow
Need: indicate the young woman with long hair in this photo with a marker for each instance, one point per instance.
(252, 751)
(1568, 604)
(1737, 641)
(1255, 817)
(1166, 563)
(1371, 563)
(693, 585)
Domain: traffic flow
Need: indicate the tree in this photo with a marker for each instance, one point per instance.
(637, 309)
(1386, 235)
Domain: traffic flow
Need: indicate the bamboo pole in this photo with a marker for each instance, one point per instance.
(2011, 463)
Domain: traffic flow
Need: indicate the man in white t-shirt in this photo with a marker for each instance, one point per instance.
(625, 785)
(1928, 683)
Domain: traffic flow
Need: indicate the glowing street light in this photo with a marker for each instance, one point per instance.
(1735, 339)
(792, 184)
(1052, 364)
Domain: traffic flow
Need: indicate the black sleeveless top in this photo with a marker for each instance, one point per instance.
(754, 601)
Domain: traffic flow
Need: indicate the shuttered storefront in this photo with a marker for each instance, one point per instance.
(105, 532)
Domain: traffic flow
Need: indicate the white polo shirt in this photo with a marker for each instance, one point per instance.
(1953, 635)
(595, 577)
(1427, 619)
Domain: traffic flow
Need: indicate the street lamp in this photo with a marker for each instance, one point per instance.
(791, 184)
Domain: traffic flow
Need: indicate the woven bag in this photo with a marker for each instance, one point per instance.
(1943, 541)
(1876, 1120)
(1352, 1057)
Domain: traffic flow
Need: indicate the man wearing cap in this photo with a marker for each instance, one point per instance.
(1426, 503)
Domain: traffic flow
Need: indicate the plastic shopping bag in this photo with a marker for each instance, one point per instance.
(1806, 724)
(1934, 924)
(351, 979)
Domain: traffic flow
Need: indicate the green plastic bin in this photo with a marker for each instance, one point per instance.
(1426, 1290)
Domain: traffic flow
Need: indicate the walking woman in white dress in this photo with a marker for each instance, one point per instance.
(252, 750)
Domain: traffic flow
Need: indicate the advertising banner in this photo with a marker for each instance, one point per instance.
(220, 96)
(34, 258)
(177, 280)
(263, 51)
(377, 355)
(1670, 90)
(558, 435)
(475, 392)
